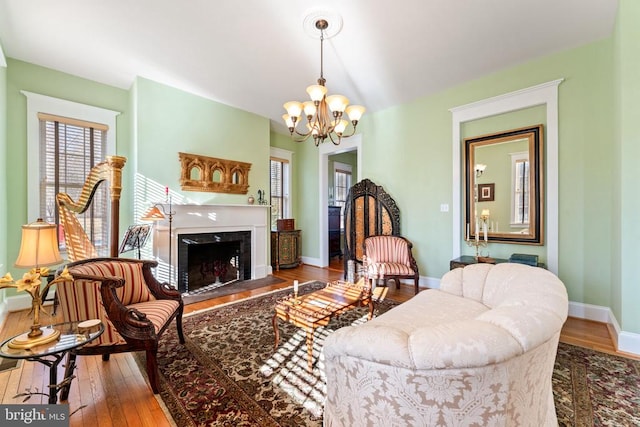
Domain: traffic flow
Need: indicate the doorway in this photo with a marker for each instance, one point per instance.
(352, 145)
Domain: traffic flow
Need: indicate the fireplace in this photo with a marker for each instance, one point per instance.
(205, 225)
(207, 260)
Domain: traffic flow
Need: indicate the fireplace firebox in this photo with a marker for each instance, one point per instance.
(213, 259)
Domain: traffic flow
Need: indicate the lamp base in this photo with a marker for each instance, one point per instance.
(24, 341)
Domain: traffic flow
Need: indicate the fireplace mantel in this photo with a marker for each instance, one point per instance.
(193, 219)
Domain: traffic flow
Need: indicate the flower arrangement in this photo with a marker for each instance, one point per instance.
(30, 283)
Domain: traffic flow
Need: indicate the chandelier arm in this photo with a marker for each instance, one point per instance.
(353, 132)
(332, 140)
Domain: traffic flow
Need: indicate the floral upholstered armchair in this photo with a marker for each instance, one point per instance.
(390, 257)
(133, 306)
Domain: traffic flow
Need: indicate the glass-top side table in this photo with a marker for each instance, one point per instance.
(73, 335)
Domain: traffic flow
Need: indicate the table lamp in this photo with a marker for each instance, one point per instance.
(38, 248)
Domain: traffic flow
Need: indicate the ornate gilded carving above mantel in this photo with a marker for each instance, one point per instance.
(203, 173)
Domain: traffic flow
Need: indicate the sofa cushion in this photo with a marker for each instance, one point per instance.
(525, 301)
(389, 338)
(482, 314)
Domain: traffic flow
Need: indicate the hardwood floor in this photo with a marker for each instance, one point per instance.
(114, 393)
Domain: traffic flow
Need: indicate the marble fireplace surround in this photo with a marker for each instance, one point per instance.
(206, 219)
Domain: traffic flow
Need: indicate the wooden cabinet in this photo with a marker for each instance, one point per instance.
(286, 249)
(334, 232)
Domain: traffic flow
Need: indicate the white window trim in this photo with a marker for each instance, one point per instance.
(343, 167)
(37, 103)
(515, 157)
(287, 155)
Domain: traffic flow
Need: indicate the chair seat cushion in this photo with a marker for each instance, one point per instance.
(382, 269)
(158, 312)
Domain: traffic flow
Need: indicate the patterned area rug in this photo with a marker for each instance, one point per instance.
(591, 388)
(228, 373)
(215, 291)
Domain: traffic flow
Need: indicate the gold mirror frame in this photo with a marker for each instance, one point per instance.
(215, 175)
(493, 189)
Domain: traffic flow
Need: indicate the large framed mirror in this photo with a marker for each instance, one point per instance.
(504, 185)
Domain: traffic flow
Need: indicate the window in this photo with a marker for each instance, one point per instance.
(79, 147)
(280, 178)
(520, 189)
(341, 184)
(68, 150)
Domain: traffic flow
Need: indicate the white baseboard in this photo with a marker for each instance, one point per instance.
(628, 342)
(311, 261)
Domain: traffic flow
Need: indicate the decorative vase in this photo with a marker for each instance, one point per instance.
(251, 200)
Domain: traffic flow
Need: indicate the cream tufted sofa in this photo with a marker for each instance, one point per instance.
(478, 351)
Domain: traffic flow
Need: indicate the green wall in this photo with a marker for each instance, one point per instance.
(168, 121)
(33, 78)
(407, 149)
(4, 176)
(422, 181)
(626, 297)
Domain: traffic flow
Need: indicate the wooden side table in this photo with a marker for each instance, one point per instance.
(465, 260)
(72, 336)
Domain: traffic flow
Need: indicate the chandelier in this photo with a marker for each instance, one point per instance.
(320, 122)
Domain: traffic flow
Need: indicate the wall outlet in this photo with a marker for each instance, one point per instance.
(444, 207)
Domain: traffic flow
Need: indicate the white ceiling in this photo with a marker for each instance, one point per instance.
(256, 55)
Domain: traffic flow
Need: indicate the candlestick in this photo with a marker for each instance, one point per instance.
(295, 292)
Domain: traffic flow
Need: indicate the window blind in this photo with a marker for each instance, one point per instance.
(69, 148)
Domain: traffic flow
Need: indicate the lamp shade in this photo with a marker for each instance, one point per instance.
(294, 109)
(39, 246)
(316, 92)
(153, 214)
(337, 103)
(355, 112)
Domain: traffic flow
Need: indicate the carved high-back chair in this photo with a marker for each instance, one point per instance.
(369, 211)
(78, 244)
(133, 306)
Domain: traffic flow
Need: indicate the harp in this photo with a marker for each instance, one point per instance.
(78, 244)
